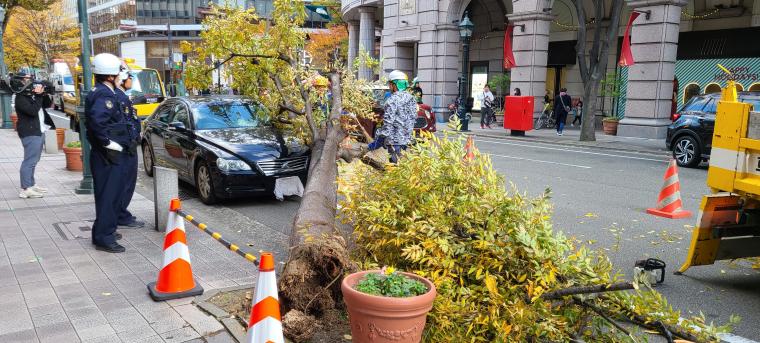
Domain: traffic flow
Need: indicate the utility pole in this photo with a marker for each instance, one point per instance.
(5, 97)
(86, 185)
(171, 57)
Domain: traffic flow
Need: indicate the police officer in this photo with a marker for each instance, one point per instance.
(126, 219)
(108, 134)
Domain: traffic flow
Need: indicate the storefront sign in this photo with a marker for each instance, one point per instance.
(739, 73)
(407, 7)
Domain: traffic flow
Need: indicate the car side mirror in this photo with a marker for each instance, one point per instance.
(177, 126)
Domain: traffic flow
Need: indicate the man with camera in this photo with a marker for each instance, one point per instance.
(33, 121)
(108, 133)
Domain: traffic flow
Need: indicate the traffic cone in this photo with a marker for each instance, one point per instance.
(469, 149)
(669, 202)
(265, 325)
(175, 279)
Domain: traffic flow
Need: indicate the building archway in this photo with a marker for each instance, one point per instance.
(712, 88)
(755, 87)
(691, 90)
(739, 87)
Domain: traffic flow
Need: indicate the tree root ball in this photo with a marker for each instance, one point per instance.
(298, 326)
(310, 282)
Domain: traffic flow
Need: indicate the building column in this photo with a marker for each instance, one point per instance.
(650, 80)
(353, 42)
(531, 49)
(366, 38)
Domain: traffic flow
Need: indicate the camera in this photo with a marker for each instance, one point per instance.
(19, 84)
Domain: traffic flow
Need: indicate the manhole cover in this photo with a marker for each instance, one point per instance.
(74, 230)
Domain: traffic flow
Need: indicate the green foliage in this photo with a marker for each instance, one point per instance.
(491, 253)
(74, 144)
(390, 284)
(501, 82)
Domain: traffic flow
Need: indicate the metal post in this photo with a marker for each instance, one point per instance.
(463, 85)
(171, 58)
(86, 185)
(5, 97)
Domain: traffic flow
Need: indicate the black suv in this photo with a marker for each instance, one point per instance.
(690, 134)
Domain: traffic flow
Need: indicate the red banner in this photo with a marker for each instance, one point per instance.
(509, 57)
(626, 57)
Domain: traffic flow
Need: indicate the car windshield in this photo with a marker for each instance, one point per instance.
(145, 82)
(68, 80)
(225, 114)
(696, 103)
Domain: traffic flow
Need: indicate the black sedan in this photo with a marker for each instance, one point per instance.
(223, 145)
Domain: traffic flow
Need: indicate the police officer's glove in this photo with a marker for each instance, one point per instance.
(114, 146)
(376, 144)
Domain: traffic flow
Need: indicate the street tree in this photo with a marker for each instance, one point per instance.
(34, 37)
(593, 62)
(263, 56)
(327, 48)
(12, 5)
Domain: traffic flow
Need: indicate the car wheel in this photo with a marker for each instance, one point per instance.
(204, 183)
(687, 152)
(147, 158)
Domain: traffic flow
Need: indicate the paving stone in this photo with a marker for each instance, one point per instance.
(57, 333)
(95, 332)
(164, 320)
(180, 335)
(46, 315)
(126, 319)
(28, 272)
(113, 338)
(139, 334)
(200, 321)
(39, 293)
(22, 336)
(14, 317)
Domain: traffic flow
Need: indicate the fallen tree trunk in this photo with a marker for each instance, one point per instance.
(318, 254)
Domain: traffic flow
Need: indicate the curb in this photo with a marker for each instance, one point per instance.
(533, 139)
(231, 324)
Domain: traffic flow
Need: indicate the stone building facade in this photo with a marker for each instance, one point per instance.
(421, 37)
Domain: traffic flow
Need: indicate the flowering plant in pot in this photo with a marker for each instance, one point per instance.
(387, 305)
(73, 152)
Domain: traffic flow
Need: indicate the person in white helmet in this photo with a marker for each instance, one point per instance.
(108, 134)
(125, 218)
(398, 120)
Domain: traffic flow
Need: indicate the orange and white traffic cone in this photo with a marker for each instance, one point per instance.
(265, 325)
(175, 279)
(669, 202)
(469, 149)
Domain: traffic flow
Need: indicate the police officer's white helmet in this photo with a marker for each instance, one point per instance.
(397, 75)
(106, 64)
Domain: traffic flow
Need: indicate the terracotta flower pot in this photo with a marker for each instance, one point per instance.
(73, 158)
(610, 127)
(14, 119)
(379, 319)
(59, 135)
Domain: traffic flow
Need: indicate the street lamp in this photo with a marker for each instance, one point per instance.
(5, 98)
(465, 33)
(86, 185)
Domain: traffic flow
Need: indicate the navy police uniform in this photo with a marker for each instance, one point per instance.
(106, 123)
(130, 160)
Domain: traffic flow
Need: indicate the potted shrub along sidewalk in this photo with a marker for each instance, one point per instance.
(387, 305)
(73, 152)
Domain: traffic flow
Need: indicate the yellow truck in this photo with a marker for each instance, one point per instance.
(728, 225)
(147, 90)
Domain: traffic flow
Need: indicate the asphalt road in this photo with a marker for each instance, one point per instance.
(600, 197)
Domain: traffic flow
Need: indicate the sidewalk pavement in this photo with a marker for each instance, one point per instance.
(570, 138)
(56, 287)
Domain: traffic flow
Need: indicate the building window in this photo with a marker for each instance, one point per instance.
(712, 88)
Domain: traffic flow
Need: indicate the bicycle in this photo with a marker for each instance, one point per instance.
(546, 119)
(454, 111)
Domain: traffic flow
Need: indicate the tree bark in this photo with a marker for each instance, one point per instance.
(318, 253)
(588, 117)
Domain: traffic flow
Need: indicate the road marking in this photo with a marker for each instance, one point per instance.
(575, 151)
(541, 161)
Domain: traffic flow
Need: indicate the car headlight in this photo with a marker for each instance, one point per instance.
(227, 165)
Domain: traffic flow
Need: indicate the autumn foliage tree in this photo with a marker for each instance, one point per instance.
(327, 48)
(263, 55)
(35, 36)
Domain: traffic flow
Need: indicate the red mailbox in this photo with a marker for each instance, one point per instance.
(518, 114)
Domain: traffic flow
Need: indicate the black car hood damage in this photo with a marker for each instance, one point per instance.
(254, 144)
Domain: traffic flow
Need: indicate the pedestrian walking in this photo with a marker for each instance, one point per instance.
(125, 218)
(561, 109)
(398, 120)
(578, 111)
(108, 134)
(486, 106)
(33, 121)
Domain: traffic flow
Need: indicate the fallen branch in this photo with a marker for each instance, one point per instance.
(620, 286)
(601, 313)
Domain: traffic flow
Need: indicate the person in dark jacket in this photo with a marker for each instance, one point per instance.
(125, 218)
(561, 109)
(33, 121)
